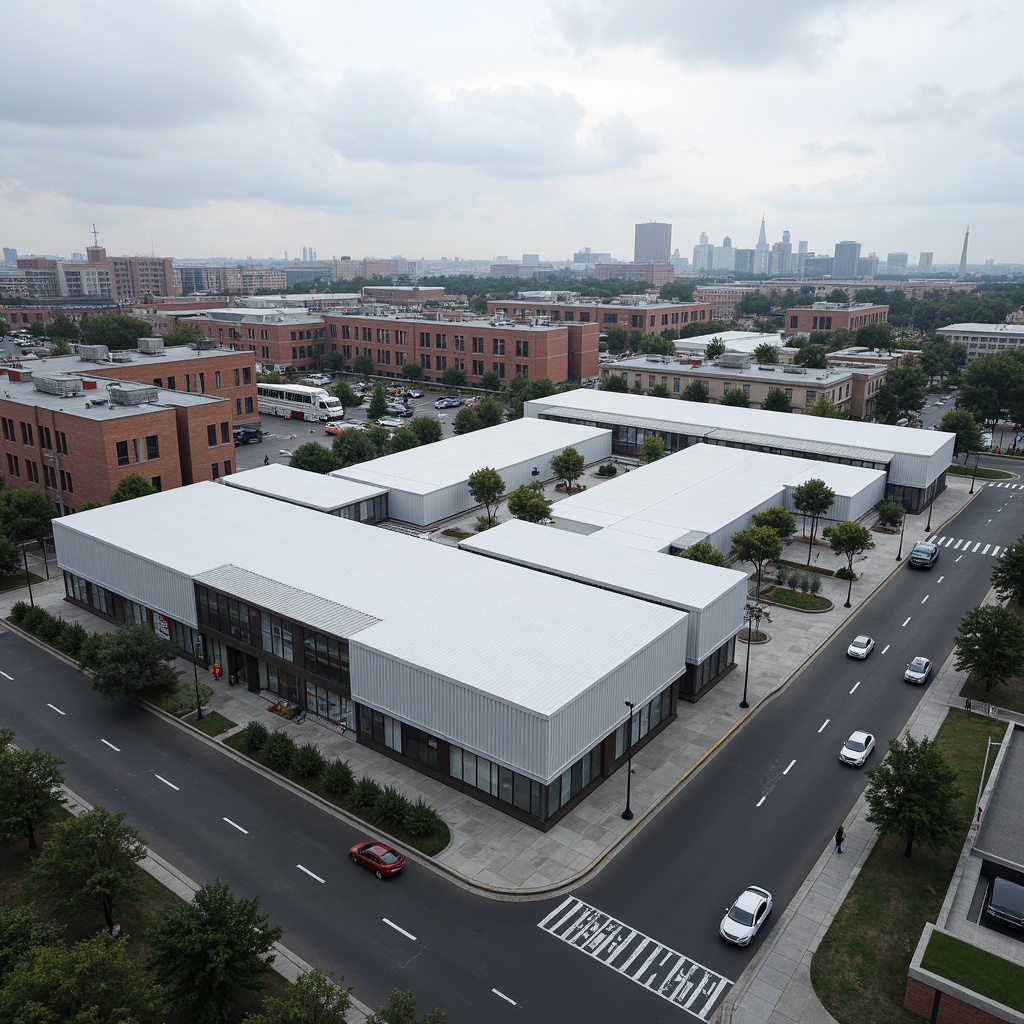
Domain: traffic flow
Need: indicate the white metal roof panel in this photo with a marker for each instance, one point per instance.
(299, 486)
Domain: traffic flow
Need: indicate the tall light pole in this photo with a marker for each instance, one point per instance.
(752, 615)
(903, 526)
(197, 649)
(977, 459)
(28, 575)
(628, 812)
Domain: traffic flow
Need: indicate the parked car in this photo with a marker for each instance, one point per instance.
(414, 393)
(746, 915)
(380, 858)
(319, 378)
(448, 403)
(337, 428)
(857, 748)
(246, 435)
(918, 671)
(924, 555)
(398, 408)
(1006, 902)
(861, 647)
(389, 421)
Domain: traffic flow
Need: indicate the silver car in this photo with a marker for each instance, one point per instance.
(746, 915)
(861, 647)
(918, 671)
(857, 748)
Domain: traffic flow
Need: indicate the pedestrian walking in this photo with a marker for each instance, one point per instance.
(840, 836)
(266, 460)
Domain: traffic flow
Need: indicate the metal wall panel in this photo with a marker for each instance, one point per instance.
(714, 624)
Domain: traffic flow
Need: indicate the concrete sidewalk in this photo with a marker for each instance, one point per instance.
(500, 856)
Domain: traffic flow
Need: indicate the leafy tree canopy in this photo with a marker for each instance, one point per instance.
(363, 364)
(401, 1009)
(777, 518)
(313, 999)
(130, 487)
(702, 551)
(487, 488)
(30, 789)
(776, 401)
(736, 398)
(568, 466)
(767, 353)
(529, 504)
(115, 330)
(757, 545)
(403, 439)
(426, 428)
(902, 393)
(813, 499)
(412, 371)
(20, 930)
(811, 356)
(614, 382)
(25, 513)
(130, 660)
(714, 348)
(315, 457)
(1008, 574)
(990, 644)
(185, 334)
(378, 402)
(453, 377)
(824, 407)
(695, 391)
(352, 447)
(651, 450)
(344, 394)
(490, 381)
(63, 328)
(965, 426)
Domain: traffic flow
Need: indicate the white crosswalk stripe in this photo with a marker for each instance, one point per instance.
(965, 545)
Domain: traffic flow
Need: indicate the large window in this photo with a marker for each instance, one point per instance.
(644, 719)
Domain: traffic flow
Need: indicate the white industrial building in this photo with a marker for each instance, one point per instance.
(914, 461)
(430, 483)
(707, 493)
(494, 678)
(332, 495)
(984, 339)
(713, 597)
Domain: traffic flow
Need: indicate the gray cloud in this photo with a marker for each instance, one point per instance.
(817, 151)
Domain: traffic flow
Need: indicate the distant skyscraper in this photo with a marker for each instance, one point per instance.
(844, 265)
(896, 264)
(703, 254)
(785, 238)
(801, 248)
(743, 261)
(963, 254)
(652, 243)
(924, 263)
(10, 257)
(867, 266)
(724, 256)
(761, 251)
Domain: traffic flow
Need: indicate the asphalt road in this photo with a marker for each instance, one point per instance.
(760, 811)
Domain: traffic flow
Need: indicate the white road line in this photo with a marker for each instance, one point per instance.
(301, 868)
(995, 551)
(923, 599)
(111, 745)
(905, 621)
(886, 647)
(501, 995)
(985, 549)
(823, 724)
(55, 708)
(244, 832)
(761, 801)
(790, 765)
(6, 676)
(166, 783)
(569, 901)
(855, 685)
(957, 545)
(976, 546)
(948, 542)
(940, 579)
(959, 557)
(391, 924)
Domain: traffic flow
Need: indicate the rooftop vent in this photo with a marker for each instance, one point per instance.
(151, 346)
(794, 369)
(63, 384)
(127, 393)
(734, 360)
(93, 353)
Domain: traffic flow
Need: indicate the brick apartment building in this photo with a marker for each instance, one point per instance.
(648, 317)
(74, 429)
(654, 274)
(827, 316)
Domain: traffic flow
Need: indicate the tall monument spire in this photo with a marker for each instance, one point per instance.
(761, 251)
(963, 254)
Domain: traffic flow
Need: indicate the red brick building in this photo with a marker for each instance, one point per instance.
(827, 316)
(648, 317)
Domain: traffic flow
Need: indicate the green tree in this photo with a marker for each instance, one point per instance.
(990, 644)
(363, 364)
(812, 499)
(380, 439)
(130, 487)
(521, 390)
(37, 329)
(129, 661)
(568, 466)
(735, 398)
(313, 999)
(777, 401)
(487, 488)
(811, 356)
(652, 344)
(10, 556)
(651, 450)
(91, 862)
(766, 354)
(490, 412)
(315, 457)
(344, 394)
(614, 382)
(776, 518)
(378, 402)
(991, 384)
(848, 539)
(529, 504)
(658, 391)
(185, 335)
(426, 428)
(757, 545)
(353, 446)
(695, 391)
(968, 433)
(115, 330)
(60, 348)
(902, 393)
(824, 407)
(96, 981)
(25, 514)
(269, 377)
(466, 421)
(20, 930)
(30, 790)
(890, 513)
(618, 339)
(1008, 574)
(453, 377)
(714, 348)
(703, 551)
(913, 794)
(63, 328)
(212, 950)
(401, 1009)
(412, 371)
(403, 439)
(490, 381)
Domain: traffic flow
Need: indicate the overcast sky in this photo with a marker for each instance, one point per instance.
(476, 129)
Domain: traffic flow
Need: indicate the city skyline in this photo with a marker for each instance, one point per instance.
(456, 131)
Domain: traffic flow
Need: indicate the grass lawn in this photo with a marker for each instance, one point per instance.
(979, 970)
(983, 473)
(859, 971)
(17, 889)
(213, 723)
(16, 580)
(798, 599)
(455, 533)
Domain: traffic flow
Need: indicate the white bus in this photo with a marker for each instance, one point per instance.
(298, 402)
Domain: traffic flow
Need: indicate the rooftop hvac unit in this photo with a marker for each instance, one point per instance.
(734, 361)
(18, 374)
(794, 369)
(151, 346)
(120, 357)
(127, 393)
(93, 353)
(63, 384)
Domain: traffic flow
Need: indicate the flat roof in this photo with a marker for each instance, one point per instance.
(546, 648)
(445, 463)
(783, 426)
(1001, 836)
(982, 329)
(813, 380)
(673, 582)
(702, 488)
(301, 487)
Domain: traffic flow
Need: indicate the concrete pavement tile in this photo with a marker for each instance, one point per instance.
(752, 1010)
(799, 1003)
(781, 963)
(761, 989)
(776, 978)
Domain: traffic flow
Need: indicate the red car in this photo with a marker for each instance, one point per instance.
(379, 858)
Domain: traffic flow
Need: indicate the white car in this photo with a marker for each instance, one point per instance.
(857, 748)
(861, 647)
(319, 378)
(389, 421)
(746, 915)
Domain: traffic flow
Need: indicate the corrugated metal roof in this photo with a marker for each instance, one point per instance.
(830, 449)
(291, 602)
(674, 582)
(299, 486)
(701, 417)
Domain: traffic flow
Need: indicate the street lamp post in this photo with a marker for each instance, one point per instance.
(197, 649)
(752, 615)
(977, 459)
(28, 575)
(627, 814)
(903, 526)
